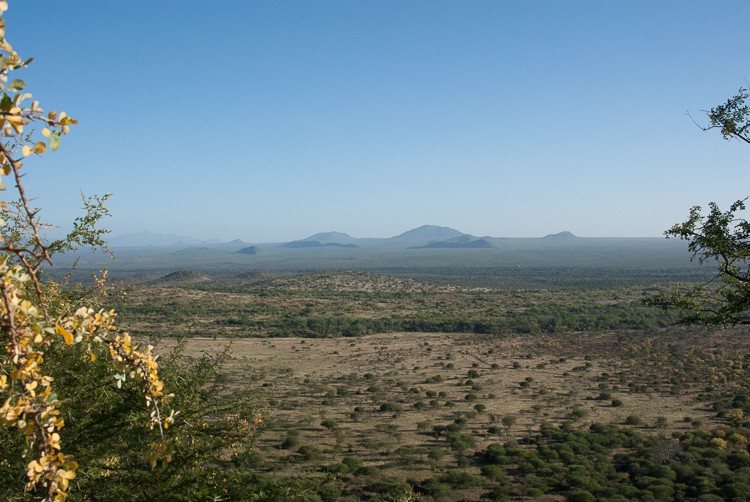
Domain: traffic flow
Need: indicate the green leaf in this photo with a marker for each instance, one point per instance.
(6, 103)
(17, 85)
(54, 140)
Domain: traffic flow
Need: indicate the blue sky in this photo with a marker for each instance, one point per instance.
(272, 120)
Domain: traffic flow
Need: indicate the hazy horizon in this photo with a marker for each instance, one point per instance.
(272, 121)
(193, 239)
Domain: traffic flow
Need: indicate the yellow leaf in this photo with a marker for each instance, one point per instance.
(64, 333)
(34, 467)
(46, 132)
(40, 148)
(26, 150)
(66, 474)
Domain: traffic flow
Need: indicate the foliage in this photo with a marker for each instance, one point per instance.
(32, 325)
(606, 461)
(719, 236)
(213, 434)
(732, 118)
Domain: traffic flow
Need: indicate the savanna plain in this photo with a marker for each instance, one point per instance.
(453, 375)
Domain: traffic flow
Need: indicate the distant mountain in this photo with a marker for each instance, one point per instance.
(332, 238)
(150, 239)
(461, 243)
(561, 235)
(432, 236)
(236, 242)
(426, 234)
(249, 250)
(315, 244)
(417, 237)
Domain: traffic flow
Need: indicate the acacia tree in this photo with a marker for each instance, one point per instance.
(721, 237)
(30, 326)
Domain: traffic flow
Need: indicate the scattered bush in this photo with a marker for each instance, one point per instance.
(633, 420)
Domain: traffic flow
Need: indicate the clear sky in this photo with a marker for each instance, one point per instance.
(272, 120)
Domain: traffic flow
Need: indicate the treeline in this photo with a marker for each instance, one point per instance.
(547, 319)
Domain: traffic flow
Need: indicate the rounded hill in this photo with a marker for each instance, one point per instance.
(182, 277)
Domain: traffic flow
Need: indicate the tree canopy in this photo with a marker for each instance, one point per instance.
(34, 319)
(720, 237)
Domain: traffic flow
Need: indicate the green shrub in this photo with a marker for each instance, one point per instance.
(495, 455)
(579, 413)
(390, 407)
(580, 496)
(353, 463)
(291, 440)
(330, 424)
(494, 472)
(633, 420)
(460, 479)
(309, 452)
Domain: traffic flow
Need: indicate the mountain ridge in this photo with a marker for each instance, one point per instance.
(331, 237)
(429, 233)
(415, 237)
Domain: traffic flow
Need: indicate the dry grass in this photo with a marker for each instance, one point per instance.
(535, 380)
